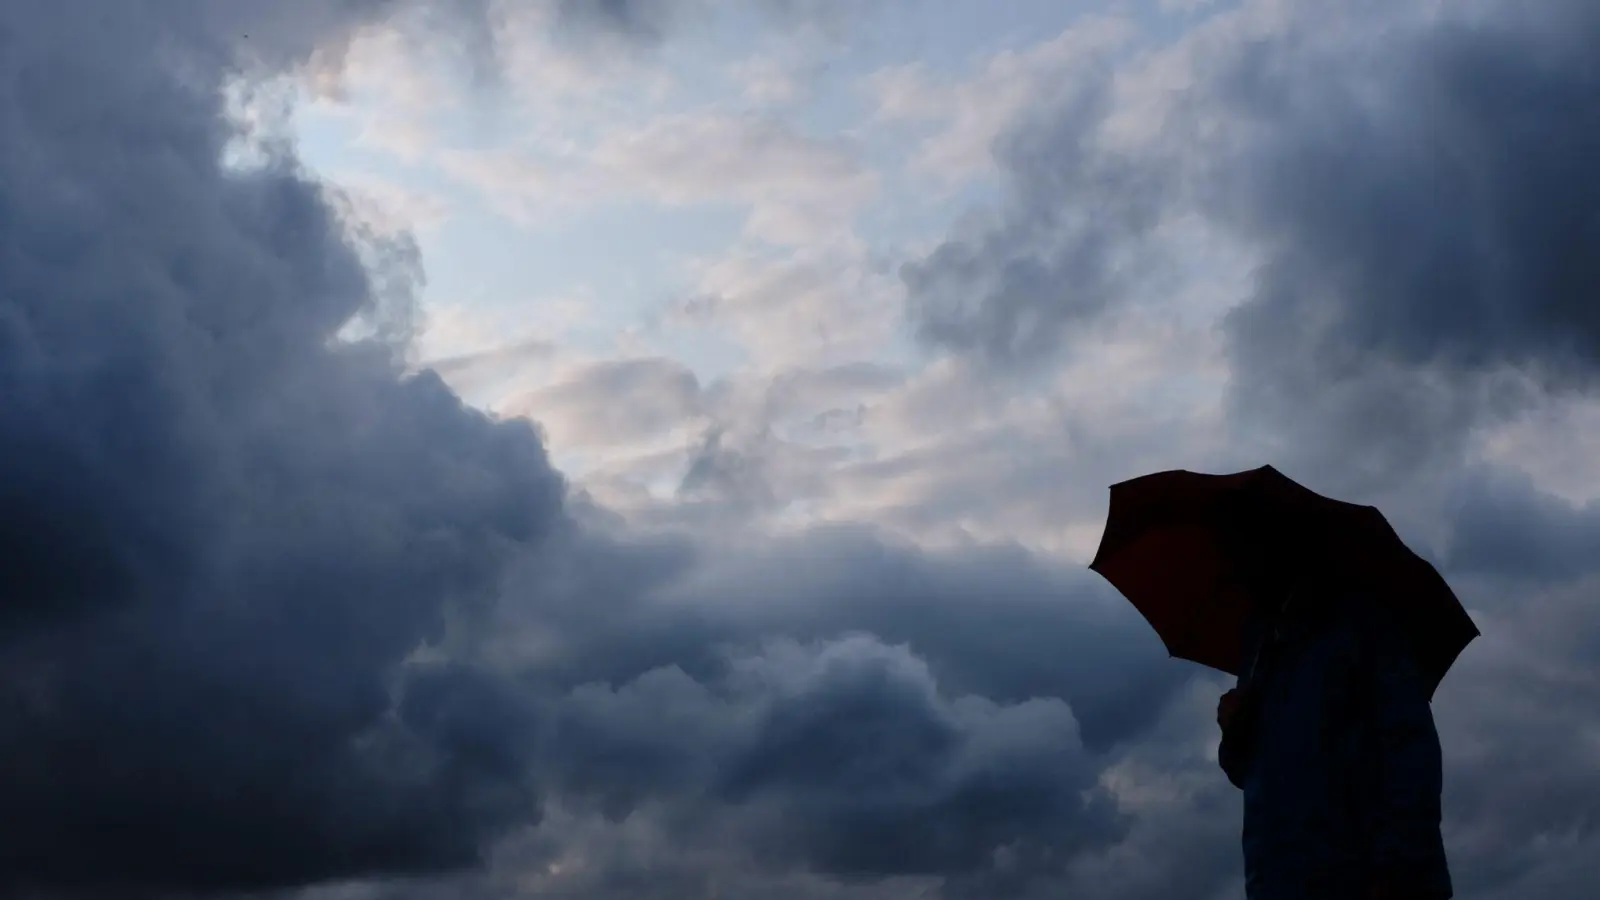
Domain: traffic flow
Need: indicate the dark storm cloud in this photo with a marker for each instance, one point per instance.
(834, 703)
(1422, 240)
(844, 757)
(1419, 243)
(224, 529)
(1506, 527)
(993, 622)
(1518, 728)
(867, 771)
(1454, 221)
(1418, 191)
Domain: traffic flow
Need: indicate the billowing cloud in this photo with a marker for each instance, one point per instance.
(1423, 269)
(650, 21)
(1008, 288)
(615, 401)
(225, 528)
(1410, 184)
(844, 757)
(637, 19)
(812, 308)
(1448, 222)
(972, 116)
(796, 187)
(264, 581)
(283, 612)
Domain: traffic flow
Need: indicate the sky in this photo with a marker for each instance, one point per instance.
(652, 448)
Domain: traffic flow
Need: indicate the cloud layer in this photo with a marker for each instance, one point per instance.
(225, 528)
(261, 578)
(284, 614)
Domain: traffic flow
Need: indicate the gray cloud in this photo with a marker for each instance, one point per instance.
(726, 475)
(1517, 725)
(639, 20)
(1063, 251)
(649, 22)
(1420, 248)
(831, 706)
(995, 622)
(501, 361)
(1452, 223)
(227, 536)
(844, 757)
(1416, 190)
(225, 530)
(1507, 528)
(876, 774)
(280, 613)
(616, 401)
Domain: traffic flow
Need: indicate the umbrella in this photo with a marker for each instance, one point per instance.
(1176, 544)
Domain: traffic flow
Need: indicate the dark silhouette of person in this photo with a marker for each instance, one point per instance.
(1330, 736)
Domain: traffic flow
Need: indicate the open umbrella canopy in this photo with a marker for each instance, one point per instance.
(1181, 546)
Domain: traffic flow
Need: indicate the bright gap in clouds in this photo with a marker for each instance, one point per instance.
(728, 212)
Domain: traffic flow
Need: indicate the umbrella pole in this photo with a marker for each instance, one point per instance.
(1277, 628)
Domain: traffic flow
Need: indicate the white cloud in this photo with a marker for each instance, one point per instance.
(790, 179)
(392, 206)
(612, 403)
(773, 79)
(389, 85)
(958, 456)
(796, 188)
(970, 115)
(814, 307)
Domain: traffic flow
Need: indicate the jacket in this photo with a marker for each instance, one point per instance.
(1337, 755)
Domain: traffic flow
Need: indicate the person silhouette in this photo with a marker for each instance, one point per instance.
(1330, 736)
